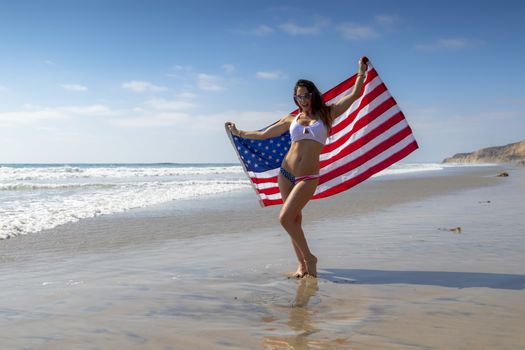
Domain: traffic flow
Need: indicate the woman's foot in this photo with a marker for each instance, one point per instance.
(301, 271)
(311, 266)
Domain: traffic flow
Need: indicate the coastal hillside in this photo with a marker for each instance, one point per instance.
(511, 153)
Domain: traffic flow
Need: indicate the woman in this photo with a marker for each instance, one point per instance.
(299, 173)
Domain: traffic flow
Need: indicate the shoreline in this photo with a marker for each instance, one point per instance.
(205, 216)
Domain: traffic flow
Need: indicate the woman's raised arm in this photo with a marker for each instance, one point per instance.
(272, 131)
(343, 104)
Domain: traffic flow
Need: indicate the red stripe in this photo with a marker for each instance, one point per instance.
(268, 202)
(347, 84)
(378, 90)
(268, 191)
(263, 180)
(380, 148)
(369, 172)
(360, 123)
(363, 140)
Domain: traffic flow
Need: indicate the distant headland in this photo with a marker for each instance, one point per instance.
(512, 153)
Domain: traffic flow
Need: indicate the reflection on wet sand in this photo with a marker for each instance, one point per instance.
(300, 323)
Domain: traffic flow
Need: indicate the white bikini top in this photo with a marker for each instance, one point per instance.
(317, 131)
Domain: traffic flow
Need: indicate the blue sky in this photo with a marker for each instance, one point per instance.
(154, 81)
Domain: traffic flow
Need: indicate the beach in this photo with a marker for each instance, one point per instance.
(212, 273)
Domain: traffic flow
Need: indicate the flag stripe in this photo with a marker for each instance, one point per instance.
(366, 100)
(365, 124)
(357, 143)
(370, 171)
(369, 136)
(354, 163)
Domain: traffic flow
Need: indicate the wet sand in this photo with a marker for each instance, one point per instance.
(203, 276)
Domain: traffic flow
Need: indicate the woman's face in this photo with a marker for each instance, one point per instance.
(303, 98)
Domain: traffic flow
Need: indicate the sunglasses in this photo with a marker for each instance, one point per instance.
(306, 96)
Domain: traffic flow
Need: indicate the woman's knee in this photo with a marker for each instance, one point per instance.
(288, 219)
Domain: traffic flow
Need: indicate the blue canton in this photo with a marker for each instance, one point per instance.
(262, 155)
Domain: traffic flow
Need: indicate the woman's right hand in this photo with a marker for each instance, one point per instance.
(233, 129)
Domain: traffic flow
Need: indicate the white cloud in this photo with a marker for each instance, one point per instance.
(50, 63)
(228, 68)
(73, 87)
(316, 26)
(386, 20)
(261, 31)
(187, 95)
(209, 82)
(32, 114)
(178, 71)
(163, 104)
(273, 75)
(208, 122)
(162, 119)
(293, 28)
(375, 28)
(353, 31)
(3, 88)
(450, 44)
(142, 86)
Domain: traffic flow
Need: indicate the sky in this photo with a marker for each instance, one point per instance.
(154, 81)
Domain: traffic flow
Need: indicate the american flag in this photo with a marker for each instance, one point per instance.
(367, 138)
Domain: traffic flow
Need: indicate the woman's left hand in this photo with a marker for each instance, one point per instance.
(362, 66)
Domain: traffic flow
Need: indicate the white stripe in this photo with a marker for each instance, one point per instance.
(368, 87)
(271, 196)
(350, 88)
(266, 185)
(365, 148)
(363, 112)
(265, 174)
(361, 132)
(365, 166)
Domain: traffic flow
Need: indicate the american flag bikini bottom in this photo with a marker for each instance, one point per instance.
(296, 179)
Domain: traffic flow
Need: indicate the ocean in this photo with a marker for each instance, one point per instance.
(36, 197)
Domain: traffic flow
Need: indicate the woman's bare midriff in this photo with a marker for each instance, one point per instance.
(303, 158)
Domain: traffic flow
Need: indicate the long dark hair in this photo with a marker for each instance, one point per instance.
(318, 106)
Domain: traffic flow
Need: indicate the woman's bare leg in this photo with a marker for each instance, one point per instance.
(285, 186)
(298, 197)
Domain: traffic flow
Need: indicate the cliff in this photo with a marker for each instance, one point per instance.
(512, 153)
